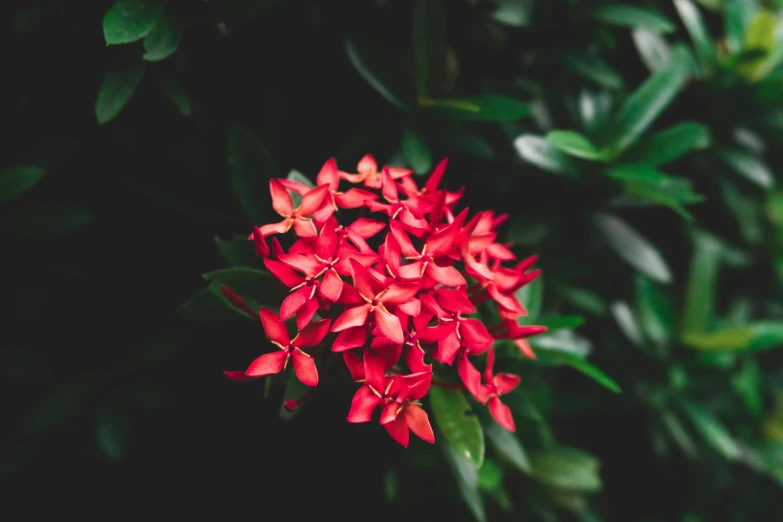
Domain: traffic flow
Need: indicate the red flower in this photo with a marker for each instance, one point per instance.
(298, 217)
(497, 385)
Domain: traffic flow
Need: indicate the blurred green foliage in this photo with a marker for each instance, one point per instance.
(633, 145)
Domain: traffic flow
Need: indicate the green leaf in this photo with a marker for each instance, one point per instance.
(656, 311)
(376, 70)
(643, 107)
(748, 165)
(737, 16)
(567, 469)
(465, 141)
(62, 406)
(390, 484)
(466, 474)
(697, 29)
(530, 296)
(630, 16)
(416, 151)
(544, 155)
(177, 95)
(514, 13)
(130, 20)
(672, 143)
(294, 389)
(256, 287)
(593, 67)
(112, 432)
(678, 433)
(208, 304)
(564, 341)
(45, 220)
(484, 107)
(756, 336)
(19, 179)
(507, 444)
(561, 322)
(239, 251)
(747, 383)
(627, 322)
(163, 40)
(713, 432)
(584, 299)
(761, 37)
(575, 144)
(116, 90)
(636, 172)
(429, 45)
(458, 424)
(698, 308)
(672, 192)
(298, 177)
(490, 476)
(580, 365)
(249, 168)
(653, 50)
(632, 248)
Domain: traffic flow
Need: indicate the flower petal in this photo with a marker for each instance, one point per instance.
(505, 382)
(284, 273)
(455, 301)
(501, 413)
(388, 351)
(295, 300)
(419, 423)
(281, 199)
(328, 175)
(365, 228)
(305, 228)
(305, 264)
(236, 376)
(398, 429)
(276, 228)
(331, 286)
(313, 334)
(352, 317)
(312, 200)
(354, 364)
(267, 364)
(305, 369)
(353, 198)
(363, 405)
(445, 275)
(362, 281)
(349, 339)
(474, 335)
(374, 371)
(471, 378)
(437, 175)
(399, 293)
(305, 314)
(274, 328)
(389, 324)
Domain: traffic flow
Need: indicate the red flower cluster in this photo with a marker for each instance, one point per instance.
(385, 313)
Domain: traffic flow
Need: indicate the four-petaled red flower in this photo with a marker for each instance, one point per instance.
(390, 303)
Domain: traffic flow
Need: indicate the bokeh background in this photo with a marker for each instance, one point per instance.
(635, 146)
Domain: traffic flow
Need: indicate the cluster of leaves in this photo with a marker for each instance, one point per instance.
(645, 135)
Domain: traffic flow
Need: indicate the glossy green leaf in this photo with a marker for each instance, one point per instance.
(458, 424)
(530, 296)
(561, 322)
(112, 431)
(699, 305)
(376, 70)
(636, 172)
(116, 90)
(416, 151)
(747, 383)
(697, 29)
(656, 311)
(163, 40)
(670, 144)
(18, 179)
(249, 168)
(632, 16)
(737, 16)
(711, 429)
(575, 144)
(484, 107)
(466, 474)
(507, 444)
(748, 165)
(131, 20)
(564, 341)
(580, 365)
(541, 153)
(567, 468)
(643, 107)
(594, 68)
(653, 49)
(633, 248)
(626, 320)
(490, 476)
(672, 192)
(761, 37)
(429, 45)
(175, 92)
(256, 287)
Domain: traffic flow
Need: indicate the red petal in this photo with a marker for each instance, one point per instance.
(353, 198)
(295, 300)
(397, 173)
(447, 348)
(390, 325)
(305, 314)
(388, 351)
(274, 328)
(474, 334)
(237, 301)
(284, 273)
(419, 423)
(399, 233)
(414, 358)
(498, 251)
(437, 175)
(441, 242)
(398, 293)
(267, 364)
(277, 228)
(354, 364)
(281, 199)
(488, 370)
(501, 413)
(412, 271)
(305, 369)
(389, 189)
(524, 347)
(305, 228)
(328, 175)
(455, 301)
(398, 429)
(236, 376)
(366, 228)
(374, 371)
(331, 286)
(471, 378)
(262, 249)
(389, 412)
(351, 318)
(312, 200)
(505, 382)
(348, 296)
(363, 405)
(445, 275)
(350, 339)
(306, 264)
(313, 334)
(435, 333)
(412, 308)
(293, 186)
(362, 281)
(367, 163)
(327, 242)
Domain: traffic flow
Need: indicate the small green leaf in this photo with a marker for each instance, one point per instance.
(390, 484)
(514, 13)
(249, 168)
(575, 144)
(584, 299)
(761, 37)
(697, 29)
(748, 165)
(636, 172)
(131, 20)
(458, 424)
(643, 107)
(631, 16)
(699, 305)
(747, 383)
(466, 474)
(580, 365)
(672, 143)
(561, 322)
(112, 432)
(530, 296)
(653, 50)
(713, 432)
(507, 444)
(163, 40)
(632, 248)
(594, 68)
(672, 192)
(298, 177)
(256, 287)
(627, 322)
(239, 251)
(490, 476)
(116, 90)
(544, 155)
(19, 179)
(567, 468)
(484, 107)
(737, 16)
(756, 336)
(656, 311)
(416, 151)
(177, 95)
(678, 433)
(376, 70)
